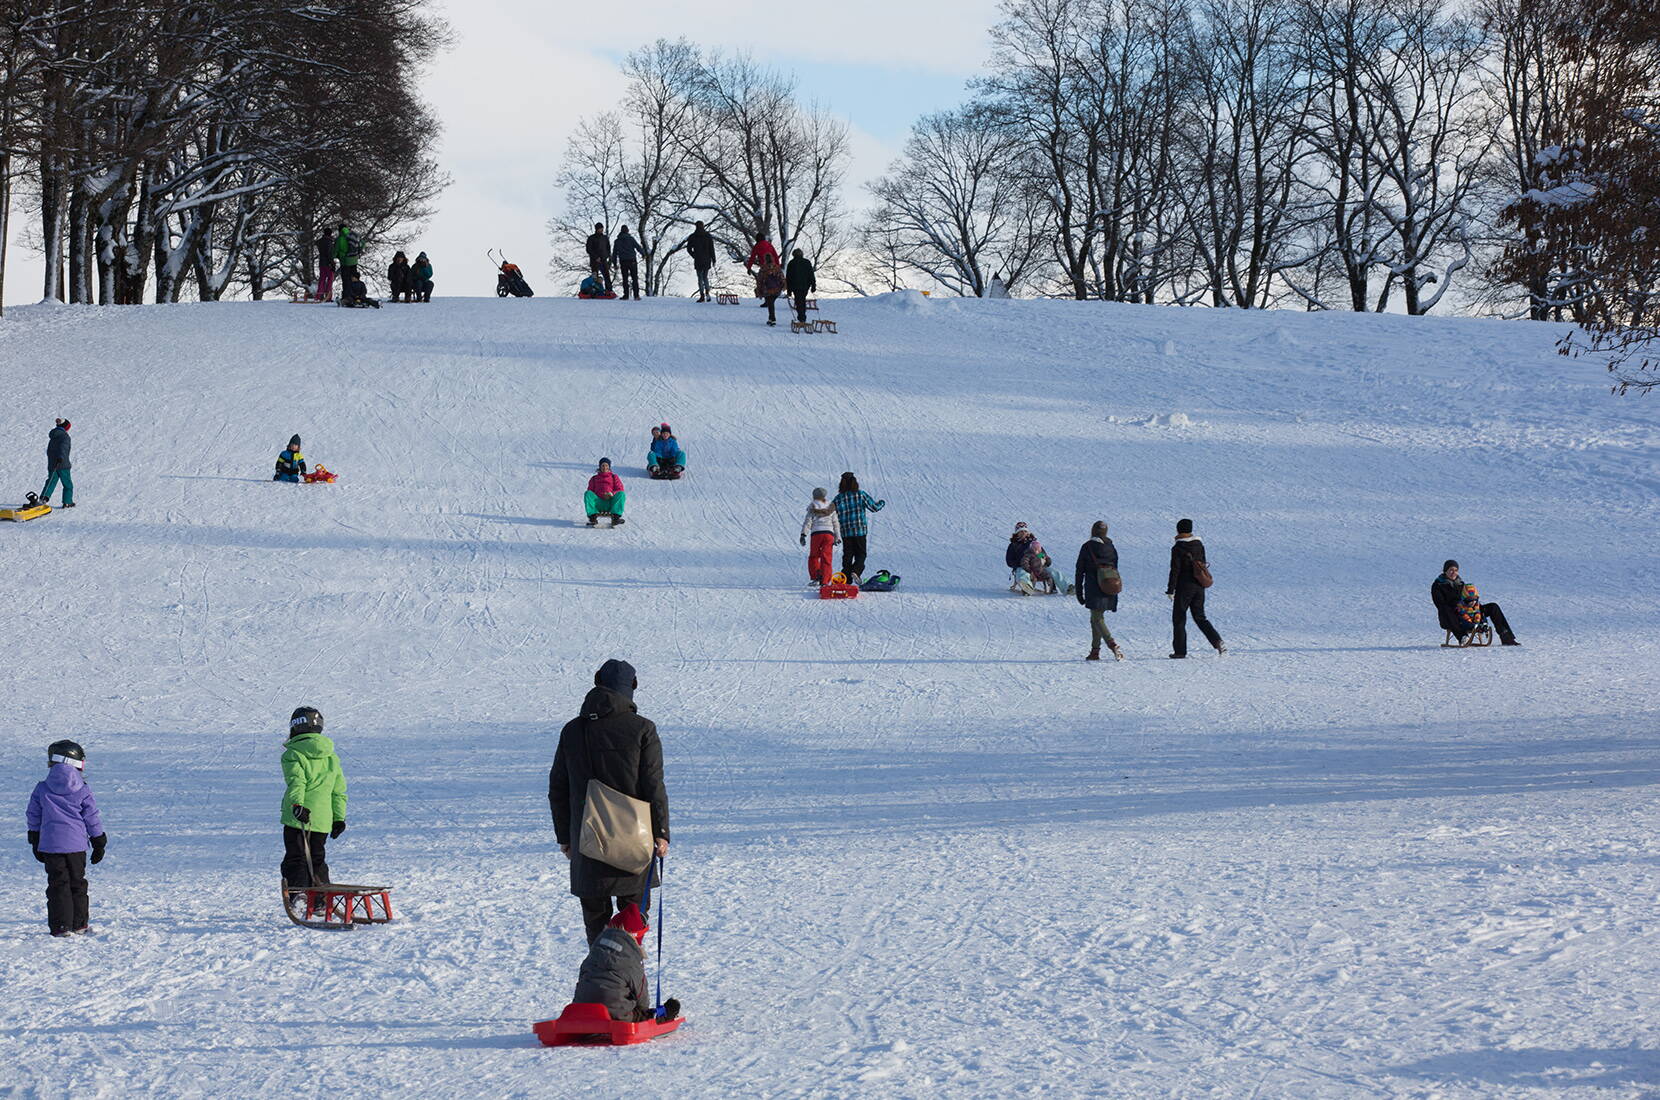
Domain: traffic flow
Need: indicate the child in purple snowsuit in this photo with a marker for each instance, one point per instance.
(63, 821)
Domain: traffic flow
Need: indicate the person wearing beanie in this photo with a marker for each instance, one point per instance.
(290, 462)
(605, 496)
(313, 802)
(824, 528)
(612, 742)
(1187, 595)
(1032, 564)
(63, 822)
(801, 280)
(1096, 569)
(1449, 590)
(614, 973)
(57, 465)
(666, 453)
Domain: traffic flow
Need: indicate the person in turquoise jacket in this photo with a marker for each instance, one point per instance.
(313, 799)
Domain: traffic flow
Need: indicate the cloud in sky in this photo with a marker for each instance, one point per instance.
(523, 72)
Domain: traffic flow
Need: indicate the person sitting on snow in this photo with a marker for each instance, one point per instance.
(356, 294)
(614, 973)
(1030, 562)
(605, 496)
(666, 452)
(290, 463)
(1460, 609)
(593, 287)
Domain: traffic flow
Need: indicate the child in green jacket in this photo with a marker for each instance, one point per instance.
(313, 800)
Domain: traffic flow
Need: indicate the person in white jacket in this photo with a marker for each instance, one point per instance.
(826, 531)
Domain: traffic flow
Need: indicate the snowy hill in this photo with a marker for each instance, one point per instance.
(921, 848)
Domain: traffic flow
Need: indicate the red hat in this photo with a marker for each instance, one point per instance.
(630, 921)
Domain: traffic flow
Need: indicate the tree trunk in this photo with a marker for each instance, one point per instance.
(51, 225)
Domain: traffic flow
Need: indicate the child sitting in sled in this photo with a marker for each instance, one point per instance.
(290, 463)
(1030, 562)
(666, 452)
(614, 973)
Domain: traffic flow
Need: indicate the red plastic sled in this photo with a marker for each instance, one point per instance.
(322, 474)
(838, 592)
(590, 1025)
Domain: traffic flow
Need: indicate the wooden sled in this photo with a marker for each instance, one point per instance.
(306, 298)
(821, 325)
(803, 326)
(1479, 638)
(337, 906)
(590, 1025)
(27, 512)
(812, 305)
(725, 299)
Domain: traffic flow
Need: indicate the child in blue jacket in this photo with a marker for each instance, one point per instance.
(63, 822)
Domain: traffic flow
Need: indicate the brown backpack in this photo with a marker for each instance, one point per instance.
(1201, 574)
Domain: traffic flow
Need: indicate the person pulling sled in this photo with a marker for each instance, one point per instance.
(313, 807)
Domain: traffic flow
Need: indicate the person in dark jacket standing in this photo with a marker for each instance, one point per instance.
(700, 246)
(400, 279)
(57, 465)
(325, 267)
(609, 742)
(626, 254)
(1448, 590)
(801, 281)
(599, 255)
(1093, 556)
(1185, 592)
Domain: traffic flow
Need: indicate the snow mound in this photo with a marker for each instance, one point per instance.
(1157, 420)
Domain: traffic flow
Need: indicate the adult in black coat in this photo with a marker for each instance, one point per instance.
(398, 277)
(1093, 556)
(700, 246)
(801, 280)
(1447, 590)
(626, 252)
(612, 743)
(599, 255)
(1187, 597)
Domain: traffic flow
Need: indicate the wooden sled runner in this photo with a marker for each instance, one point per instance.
(725, 299)
(337, 906)
(302, 297)
(591, 1025)
(1479, 638)
(815, 325)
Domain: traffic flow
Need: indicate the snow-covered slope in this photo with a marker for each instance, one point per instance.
(921, 848)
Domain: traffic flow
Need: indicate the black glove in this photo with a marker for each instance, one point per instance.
(98, 843)
(34, 844)
(339, 827)
(671, 1009)
(301, 814)
(804, 538)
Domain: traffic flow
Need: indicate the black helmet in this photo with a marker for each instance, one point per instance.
(60, 751)
(305, 720)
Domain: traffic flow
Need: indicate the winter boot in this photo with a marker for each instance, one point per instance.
(1118, 654)
(593, 521)
(617, 521)
(1094, 654)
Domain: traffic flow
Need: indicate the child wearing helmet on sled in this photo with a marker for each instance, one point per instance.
(63, 823)
(666, 452)
(313, 801)
(614, 973)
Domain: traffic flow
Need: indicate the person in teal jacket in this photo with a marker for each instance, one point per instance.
(313, 799)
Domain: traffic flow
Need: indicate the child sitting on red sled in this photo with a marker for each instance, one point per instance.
(614, 973)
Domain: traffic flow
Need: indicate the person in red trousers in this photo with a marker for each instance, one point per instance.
(825, 530)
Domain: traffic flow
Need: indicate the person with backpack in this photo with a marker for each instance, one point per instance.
(609, 741)
(347, 251)
(63, 823)
(769, 284)
(700, 246)
(400, 279)
(1189, 577)
(325, 267)
(1452, 599)
(800, 280)
(1097, 583)
(599, 255)
(823, 526)
(57, 464)
(626, 255)
(313, 802)
(420, 278)
(853, 505)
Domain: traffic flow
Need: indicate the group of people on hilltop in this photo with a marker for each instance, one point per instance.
(772, 278)
(623, 254)
(340, 251)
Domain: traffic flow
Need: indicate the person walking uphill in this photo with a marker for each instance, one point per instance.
(700, 246)
(823, 526)
(1098, 584)
(57, 465)
(800, 280)
(313, 801)
(769, 284)
(63, 821)
(626, 254)
(612, 743)
(1187, 590)
(852, 505)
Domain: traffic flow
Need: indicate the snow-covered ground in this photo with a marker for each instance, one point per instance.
(921, 848)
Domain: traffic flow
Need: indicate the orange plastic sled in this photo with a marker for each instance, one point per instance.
(321, 475)
(590, 1025)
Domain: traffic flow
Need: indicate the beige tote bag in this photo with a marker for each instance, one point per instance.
(616, 829)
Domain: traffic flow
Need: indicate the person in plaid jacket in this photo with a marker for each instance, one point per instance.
(852, 504)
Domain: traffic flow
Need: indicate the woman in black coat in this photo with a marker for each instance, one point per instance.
(1093, 556)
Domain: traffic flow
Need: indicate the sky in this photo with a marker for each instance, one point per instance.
(521, 73)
